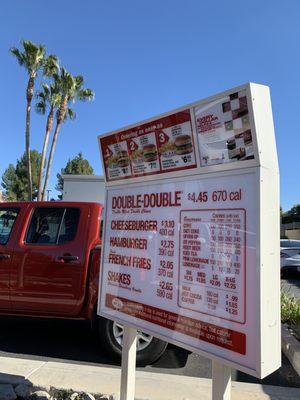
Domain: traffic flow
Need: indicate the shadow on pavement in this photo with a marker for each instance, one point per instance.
(291, 278)
(284, 376)
(61, 340)
(73, 341)
(13, 379)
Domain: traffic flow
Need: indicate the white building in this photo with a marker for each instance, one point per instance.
(83, 188)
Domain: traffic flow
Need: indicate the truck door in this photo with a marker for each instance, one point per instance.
(8, 216)
(50, 262)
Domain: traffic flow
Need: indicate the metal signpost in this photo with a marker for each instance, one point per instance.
(191, 234)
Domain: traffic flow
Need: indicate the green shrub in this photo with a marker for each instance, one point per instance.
(290, 309)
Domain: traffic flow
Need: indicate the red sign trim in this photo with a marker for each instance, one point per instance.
(219, 336)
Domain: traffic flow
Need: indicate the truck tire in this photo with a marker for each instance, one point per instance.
(149, 348)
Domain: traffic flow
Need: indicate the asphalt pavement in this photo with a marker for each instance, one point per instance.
(72, 341)
(291, 284)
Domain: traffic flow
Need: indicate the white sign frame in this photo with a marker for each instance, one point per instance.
(265, 167)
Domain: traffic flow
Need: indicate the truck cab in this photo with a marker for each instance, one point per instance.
(49, 267)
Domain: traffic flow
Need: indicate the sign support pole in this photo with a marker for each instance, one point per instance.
(221, 381)
(128, 364)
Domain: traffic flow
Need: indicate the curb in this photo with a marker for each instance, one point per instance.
(291, 348)
(98, 379)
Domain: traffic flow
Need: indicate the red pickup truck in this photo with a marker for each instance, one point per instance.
(49, 267)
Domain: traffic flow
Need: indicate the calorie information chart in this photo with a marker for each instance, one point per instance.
(212, 262)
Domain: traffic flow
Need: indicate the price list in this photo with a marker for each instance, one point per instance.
(212, 262)
(166, 250)
(175, 258)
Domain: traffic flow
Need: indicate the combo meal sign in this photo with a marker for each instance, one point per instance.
(190, 250)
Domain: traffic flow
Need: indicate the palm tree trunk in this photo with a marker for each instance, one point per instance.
(52, 150)
(44, 152)
(27, 146)
(29, 95)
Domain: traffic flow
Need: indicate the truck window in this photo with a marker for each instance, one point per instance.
(44, 225)
(69, 225)
(8, 217)
(55, 225)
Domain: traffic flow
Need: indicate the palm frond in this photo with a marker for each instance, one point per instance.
(55, 95)
(70, 89)
(30, 47)
(34, 55)
(79, 81)
(54, 87)
(63, 74)
(56, 100)
(56, 76)
(19, 56)
(44, 94)
(41, 96)
(49, 95)
(41, 107)
(71, 114)
(85, 95)
(46, 89)
(66, 82)
(51, 65)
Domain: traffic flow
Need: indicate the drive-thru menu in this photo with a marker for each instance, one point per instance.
(162, 145)
(190, 245)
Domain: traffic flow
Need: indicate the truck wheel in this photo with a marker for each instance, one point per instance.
(149, 349)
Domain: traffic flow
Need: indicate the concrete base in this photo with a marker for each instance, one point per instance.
(291, 348)
(152, 386)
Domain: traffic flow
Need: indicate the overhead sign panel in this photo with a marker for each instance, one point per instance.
(162, 145)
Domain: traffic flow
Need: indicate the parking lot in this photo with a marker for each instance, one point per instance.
(72, 341)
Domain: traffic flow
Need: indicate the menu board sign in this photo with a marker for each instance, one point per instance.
(187, 256)
(163, 145)
(177, 251)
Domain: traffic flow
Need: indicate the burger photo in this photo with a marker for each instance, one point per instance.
(150, 152)
(122, 158)
(183, 144)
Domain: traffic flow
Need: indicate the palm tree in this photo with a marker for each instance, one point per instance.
(33, 58)
(71, 89)
(48, 97)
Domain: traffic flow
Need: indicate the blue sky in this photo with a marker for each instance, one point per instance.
(146, 57)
